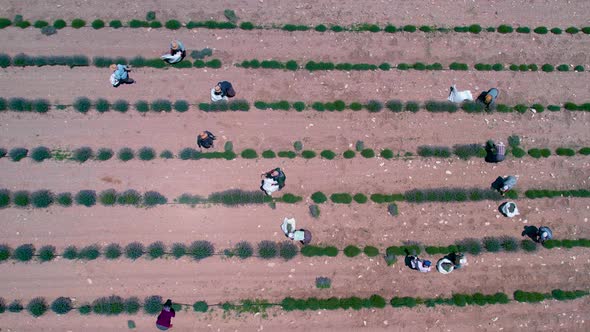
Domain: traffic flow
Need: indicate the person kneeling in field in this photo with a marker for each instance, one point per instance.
(205, 139)
(164, 321)
(420, 265)
(120, 75)
(222, 91)
(177, 52)
(273, 180)
(488, 98)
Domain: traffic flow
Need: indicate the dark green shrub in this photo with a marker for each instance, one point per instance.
(385, 66)
(142, 106)
(243, 250)
(200, 306)
(151, 198)
(166, 154)
(434, 151)
(348, 154)
(518, 152)
(409, 28)
(46, 253)
(104, 154)
(40, 153)
(472, 246)
(318, 197)
(299, 106)
(412, 106)
(15, 306)
(121, 106)
(565, 152)
(374, 106)
(156, 249)
(71, 252)
(505, 29)
(146, 153)
(472, 107)
(131, 305)
(201, 249)
(528, 245)
(563, 68)
(108, 197)
(497, 67)
(19, 104)
(308, 154)
(113, 251)
(78, 23)
(360, 198)
(5, 61)
(178, 250)
(3, 153)
(466, 151)
(64, 199)
(268, 154)
(556, 31)
(267, 249)
(82, 154)
(246, 26)
(98, 24)
(314, 210)
(90, 252)
(328, 154)
(392, 209)
(129, 197)
(180, 106)
(134, 250)
(102, 105)
(572, 30)
(82, 104)
(435, 106)
(547, 68)
(61, 305)
(37, 306)
(386, 153)
(394, 105)
(41, 198)
(509, 244)
(579, 68)
(492, 244)
(458, 66)
(86, 198)
(188, 154)
(249, 154)
(535, 153)
(341, 198)
(173, 25)
(21, 198)
(371, 251)
(287, 250)
(368, 153)
(161, 105)
(112, 305)
(126, 154)
(5, 252)
(584, 151)
(291, 199)
(115, 24)
(523, 30)
(352, 251)
(24, 252)
(4, 22)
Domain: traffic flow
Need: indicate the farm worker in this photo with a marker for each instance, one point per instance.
(508, 183)
(222, 91)
(165, 317)
(176, 54)
(544, 234)
(495, 153)
(420, 265)
(301, 235)
(488, 98)
(120, 75)
(278, 175)
(205, 139)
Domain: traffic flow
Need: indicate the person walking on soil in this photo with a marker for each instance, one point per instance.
(222, 91)
(205, 139)
(420, 265)
(165, 317)
(176, 54)
(120, 75)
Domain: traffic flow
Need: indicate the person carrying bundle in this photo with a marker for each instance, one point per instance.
(273, 180)
(120, 75)
(176, 54)
(420, 265)
(488, 98)
(301, 235)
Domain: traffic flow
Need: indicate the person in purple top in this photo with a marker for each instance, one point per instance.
(164, 321)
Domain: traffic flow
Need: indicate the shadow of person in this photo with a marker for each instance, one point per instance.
(531, 231)
(498, 184)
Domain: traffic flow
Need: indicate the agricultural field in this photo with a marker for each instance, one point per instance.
(108, 207)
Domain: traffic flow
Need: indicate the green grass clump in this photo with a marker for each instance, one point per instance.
(518, 152)
(37, 306)
(371, 251)
(156, 249)
(268, 154)
(152, 198)
(319, 197)
(386, 153)
(126, 154)
(434, 151)
(146, 153)
(360, 198)
(102, 105)
(466, 151)
(328, 154)
(166, 154)
(249, 154)
(5, 252)
(4, 198)
(368, 153)
(556, 31)
(82, 104)
(82, 154)
(64, 199)
(341, 198)
(86, 198)
(20, 104)
(98, 24)
(61, 305)
(42, 198)
(134, 250)
(584, 151)
(243, 250)
(572, 30)
(267, 249)
(458, 66)
(352, 251)
(547, 68)
(201, 249)
(40, 153)
(4, 22)
(523, 30)
(121, 106)
(142, 106)
(173, 25)
(492, 244)
(472, 246)
(394, 105)
(374, 106)
(287, 250)
(15, 306)
(181, 106)
(178, 250)
(161, 105)
(40, 24)
(528, 245)
(104, 154)
(21, 198)
(78, 23)
(113, 251)
(24, 252)
(308, 154)
(348, 154)
(108, 197)
(565, 152)
(71, 252)
(505, 29)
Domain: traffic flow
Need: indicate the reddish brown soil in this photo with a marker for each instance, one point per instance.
(219, 279)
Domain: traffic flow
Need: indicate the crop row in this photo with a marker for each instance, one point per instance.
(101, 105)
(77, 23)
(286, 250)
(114, 305)
(84, 154)
(110, 197)
(24, 60)
(314, 66)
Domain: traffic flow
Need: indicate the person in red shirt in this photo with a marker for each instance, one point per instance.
(165, 317)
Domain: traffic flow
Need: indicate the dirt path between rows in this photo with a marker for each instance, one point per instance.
(277, 130)
(238, 45)
(302, 12)
(218, 280)
(338, 225)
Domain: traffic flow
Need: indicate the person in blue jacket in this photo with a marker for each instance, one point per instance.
(120, 75)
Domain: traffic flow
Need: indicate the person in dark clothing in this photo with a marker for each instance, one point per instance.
(222, 91)
(205, 139)
(278, 175)
(544, 234)
(495, 153)
(165, 317)
(488, 98)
